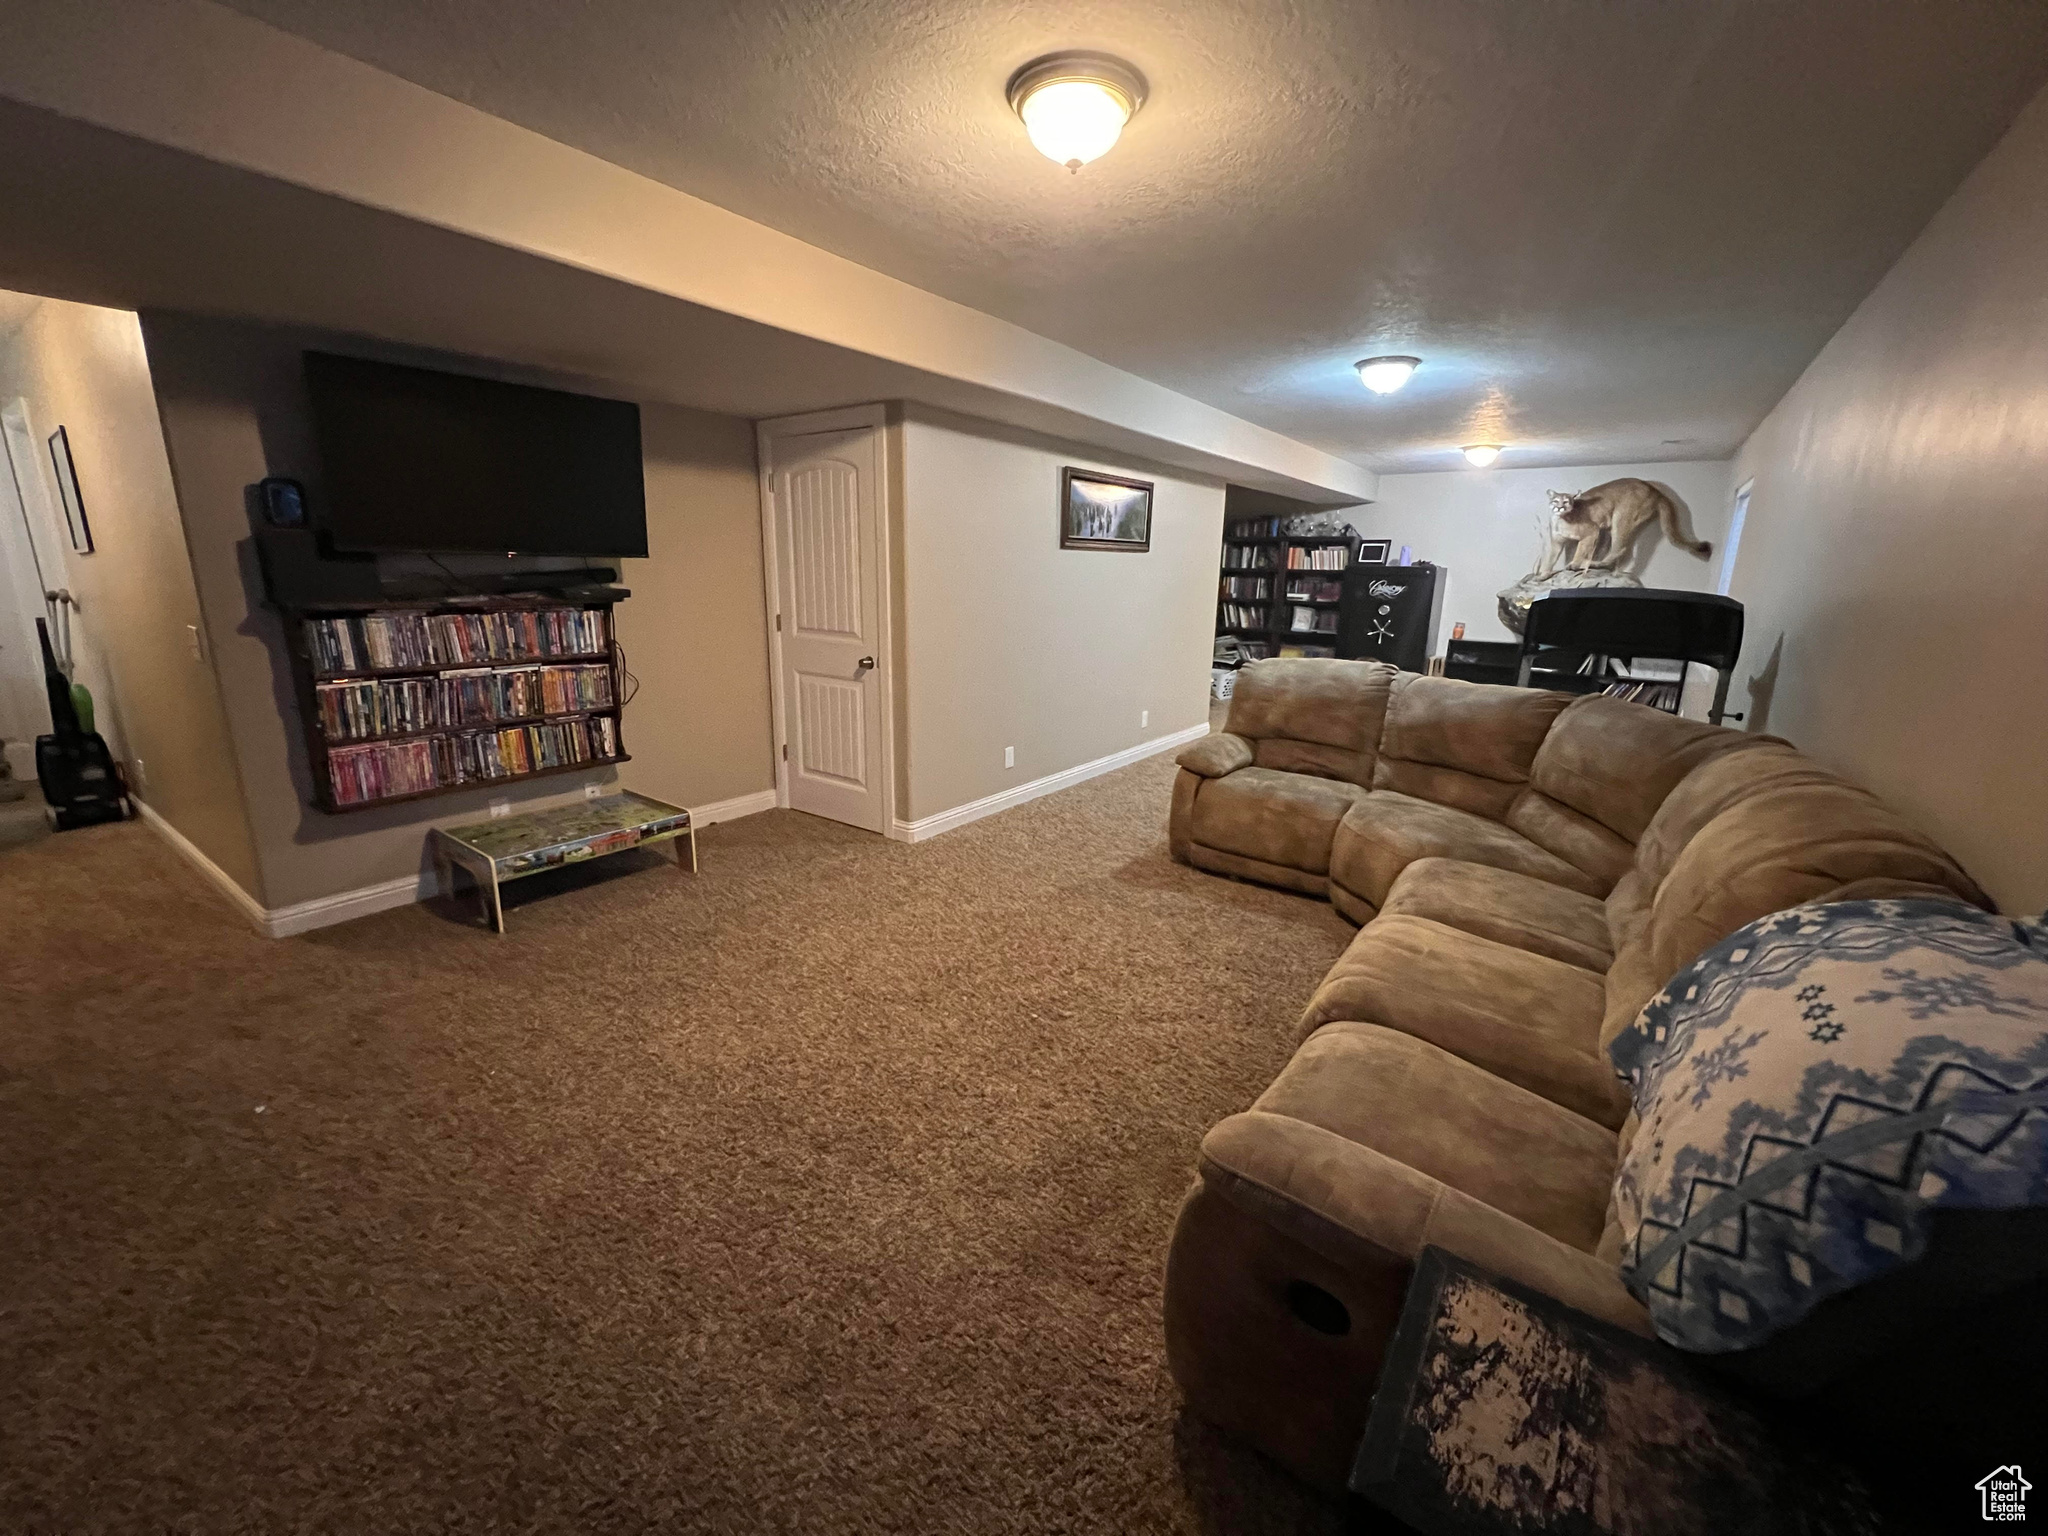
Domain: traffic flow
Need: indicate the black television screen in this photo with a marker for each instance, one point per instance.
(416, 459)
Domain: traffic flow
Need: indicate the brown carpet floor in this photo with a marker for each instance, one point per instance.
(826, 1191)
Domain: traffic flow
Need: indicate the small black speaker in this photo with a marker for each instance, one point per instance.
(283, 502)
(1391, 613)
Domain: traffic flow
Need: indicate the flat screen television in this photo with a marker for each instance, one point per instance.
(416, 459)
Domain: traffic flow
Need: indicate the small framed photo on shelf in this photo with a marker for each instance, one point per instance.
(1374, 551)
(67, 490)
(1099, 511)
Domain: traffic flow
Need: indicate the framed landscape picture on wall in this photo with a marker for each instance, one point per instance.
(67, 492)
(1100, 511)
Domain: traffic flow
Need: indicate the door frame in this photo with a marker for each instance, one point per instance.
(767, 433)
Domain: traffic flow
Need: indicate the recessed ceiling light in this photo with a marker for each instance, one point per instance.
(1479, 455)
(1384, 375)
(1075, 105)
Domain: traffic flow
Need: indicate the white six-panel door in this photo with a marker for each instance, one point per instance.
(827, 509)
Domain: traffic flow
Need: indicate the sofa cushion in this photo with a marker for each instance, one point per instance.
(1467, 745)
(1780, 848)
(1615, 762)
(1746, 833)
(1601, 855)
(1275, 817)
(1527, 1018)
(1523, 1155)
(1312, 716)
(1385, 832)
(1508, 908)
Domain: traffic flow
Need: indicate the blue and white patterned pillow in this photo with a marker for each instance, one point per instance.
(1809, 1090)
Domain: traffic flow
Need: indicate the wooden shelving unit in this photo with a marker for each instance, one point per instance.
(450, 737)
(1275, 611)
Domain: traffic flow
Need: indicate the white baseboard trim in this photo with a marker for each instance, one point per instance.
(243, 902)
(733, 809)
(342, 907)
(326, 911)
(945, 821)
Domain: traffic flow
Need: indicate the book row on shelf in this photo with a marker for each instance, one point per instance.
(1266, 650)
(1245, 616)
(385, 641)
(401, 706)
(1327, 557)
(1248, 557)
(1257, 589)
(1314, 589)
(359, 775)
(1656, 695)
(1255, 528)
(1320, 621)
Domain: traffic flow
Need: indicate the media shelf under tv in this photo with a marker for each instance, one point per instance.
(449, 718)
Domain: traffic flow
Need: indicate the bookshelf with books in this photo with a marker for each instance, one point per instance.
(401, 700)
(1278, 591)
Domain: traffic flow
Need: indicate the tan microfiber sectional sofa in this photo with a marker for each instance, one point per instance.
(1528, 868)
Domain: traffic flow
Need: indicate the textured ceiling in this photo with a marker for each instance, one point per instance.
(1614, 231)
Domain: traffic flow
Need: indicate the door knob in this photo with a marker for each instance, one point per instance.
(866, 664)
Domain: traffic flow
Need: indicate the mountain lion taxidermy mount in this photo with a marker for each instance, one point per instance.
(1596, 530)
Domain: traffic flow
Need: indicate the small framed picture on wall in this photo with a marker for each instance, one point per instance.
(1099, 511)
(67, 492)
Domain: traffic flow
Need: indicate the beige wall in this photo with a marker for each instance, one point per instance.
(84, 369)
(1484, 527)
(696, 630)
(1009, 640)
(233, 406)
(1895, 564)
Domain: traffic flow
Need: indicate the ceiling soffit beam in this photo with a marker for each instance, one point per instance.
(198, 78)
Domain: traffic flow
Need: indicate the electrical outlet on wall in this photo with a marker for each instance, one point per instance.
(592, 791)
(195, 640)
(1009, 757)
(1144, 718)
(141, 775)
(501, 806)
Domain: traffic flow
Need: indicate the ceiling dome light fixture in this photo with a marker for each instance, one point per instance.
(1479, 455)
(1075, 105)
(1384, 375)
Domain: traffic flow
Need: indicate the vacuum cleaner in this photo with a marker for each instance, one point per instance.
(80, 779)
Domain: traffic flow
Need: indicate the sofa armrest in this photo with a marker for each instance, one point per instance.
(1216, 755)
(1352, 1204)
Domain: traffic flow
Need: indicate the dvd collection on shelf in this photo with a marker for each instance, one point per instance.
(1255, 588)
(1255, 528)
(1244, 616)
(403, 640)
(1326, 557)
(381, 770)
(1256, 650)
(403, 706)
